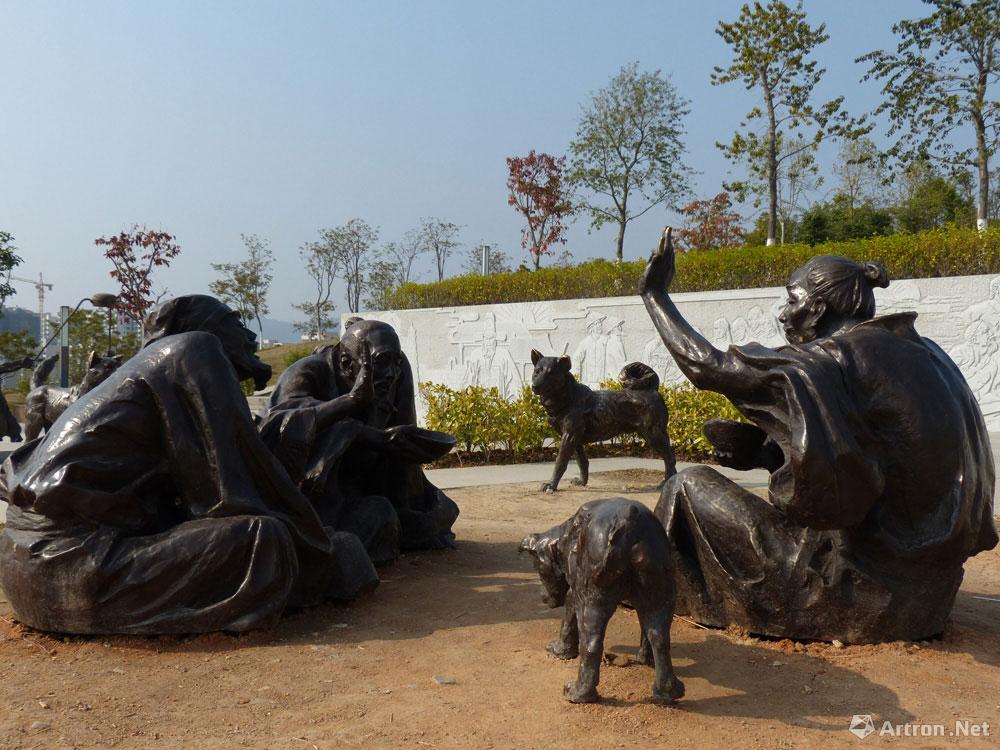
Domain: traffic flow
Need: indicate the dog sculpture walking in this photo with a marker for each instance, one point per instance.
(609, 552)
(46, 403)
(582, 415)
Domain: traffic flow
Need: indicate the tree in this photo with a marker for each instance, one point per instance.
(403, 254)
(937, 81)
(134, 255)
(352, 245)
(8, 260)
(88, 332)
(770, 46)
(322, 265)
(843, 218)
(496, 262)
(244, 285)
(17, 345)
(438, 238)
(535, 185)
(928, 200)
(710, 224)
(798, 175)
(628, 149)
(858, 171)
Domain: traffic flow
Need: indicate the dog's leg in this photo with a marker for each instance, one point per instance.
(593, 622)
(656, 627)
(567, 645)
(645, 654)
(660, 442)
(584, 464)
(566, 448)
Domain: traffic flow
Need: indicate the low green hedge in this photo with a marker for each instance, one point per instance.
(938, 252)
(485, 422)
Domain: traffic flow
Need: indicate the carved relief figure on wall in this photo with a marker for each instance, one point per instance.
(880, 486)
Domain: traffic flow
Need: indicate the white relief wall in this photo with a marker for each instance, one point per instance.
(491, 345)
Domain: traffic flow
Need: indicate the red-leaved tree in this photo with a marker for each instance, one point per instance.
(710, 224)
(536, 192)
(135, 254)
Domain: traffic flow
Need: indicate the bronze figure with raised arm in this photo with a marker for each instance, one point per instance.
(881, 473)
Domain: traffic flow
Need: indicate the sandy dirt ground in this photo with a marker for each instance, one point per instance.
(449, 652)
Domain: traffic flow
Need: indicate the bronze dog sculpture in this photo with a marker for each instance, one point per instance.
(609, 552)
(46, 403)
(582, 415)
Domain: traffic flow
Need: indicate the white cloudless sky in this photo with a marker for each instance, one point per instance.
(210, 120)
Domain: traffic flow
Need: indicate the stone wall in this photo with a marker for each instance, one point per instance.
(490, 345)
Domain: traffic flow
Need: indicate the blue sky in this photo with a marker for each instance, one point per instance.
(215, 119)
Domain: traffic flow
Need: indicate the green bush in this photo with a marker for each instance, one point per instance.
(482, 420)
(937, 252)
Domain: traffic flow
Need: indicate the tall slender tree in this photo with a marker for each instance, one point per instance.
(321, 264)
(535, 190)
(245, 285)
(439, 238)
(938, 82)
(771, 44)
(626, 156)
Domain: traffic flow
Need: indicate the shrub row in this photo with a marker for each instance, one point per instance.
(938, 252)
(486, 422)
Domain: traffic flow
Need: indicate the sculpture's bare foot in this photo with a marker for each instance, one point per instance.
(562, 650)
(547, 487)
(576, 694)
(674, 691)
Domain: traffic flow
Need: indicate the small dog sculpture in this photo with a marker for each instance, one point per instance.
(582, 415)
(609, 552)
(46, 403)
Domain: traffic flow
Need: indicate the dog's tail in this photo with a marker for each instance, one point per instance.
(42, 371)
(638, 376)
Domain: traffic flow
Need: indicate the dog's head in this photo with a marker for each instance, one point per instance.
(98, 370)
(551, 374)
(544, 551)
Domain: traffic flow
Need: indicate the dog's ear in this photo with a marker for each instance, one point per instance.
(535, 356)
(565, 364)
(91, 359)
(528, 543)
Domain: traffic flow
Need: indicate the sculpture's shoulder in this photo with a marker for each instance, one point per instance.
(310, 376)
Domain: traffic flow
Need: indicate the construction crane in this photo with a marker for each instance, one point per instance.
(40, 285)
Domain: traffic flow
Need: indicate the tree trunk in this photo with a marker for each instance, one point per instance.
(772, 163)
(621, 238)
(982, 157)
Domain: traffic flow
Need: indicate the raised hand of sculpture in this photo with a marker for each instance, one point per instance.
(152, 505)
(581, 415)
(609, 552)
(881, 479)
(45, 403)
(343, 423)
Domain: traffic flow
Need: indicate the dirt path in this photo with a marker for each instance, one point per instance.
(363, 676)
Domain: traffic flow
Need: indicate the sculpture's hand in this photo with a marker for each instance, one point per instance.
(363, 392)
(660, 269)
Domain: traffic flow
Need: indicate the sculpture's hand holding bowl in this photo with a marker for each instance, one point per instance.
(660, 268)
(417, 444)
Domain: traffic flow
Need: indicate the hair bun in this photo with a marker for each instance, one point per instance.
(876, 274)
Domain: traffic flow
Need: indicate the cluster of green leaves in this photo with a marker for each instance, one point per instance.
(946, 251)
(482, 420)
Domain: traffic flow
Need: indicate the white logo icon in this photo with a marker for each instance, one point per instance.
(862, 725)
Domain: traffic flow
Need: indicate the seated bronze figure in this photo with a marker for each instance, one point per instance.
(881, 474)
(152, 505)
(343, 423)
(609, 552)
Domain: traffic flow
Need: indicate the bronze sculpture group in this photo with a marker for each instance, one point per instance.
(154, 504)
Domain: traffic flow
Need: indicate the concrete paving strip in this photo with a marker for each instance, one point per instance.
(478, 476)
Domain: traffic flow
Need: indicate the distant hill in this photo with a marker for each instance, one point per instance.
(19, 319)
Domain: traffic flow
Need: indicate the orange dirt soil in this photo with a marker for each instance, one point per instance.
(364, 675)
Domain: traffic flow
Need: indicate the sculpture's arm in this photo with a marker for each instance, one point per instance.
(705, 366)
(17, 364)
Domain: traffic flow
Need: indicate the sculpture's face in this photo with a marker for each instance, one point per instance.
(802, 312)
(387, 358)
(240, 344)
